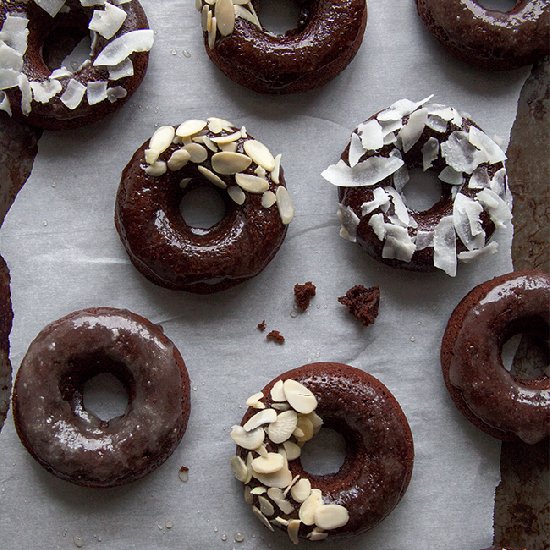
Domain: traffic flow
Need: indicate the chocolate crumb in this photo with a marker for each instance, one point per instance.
(362, 303)
(303, 295)
(276, 336)
(262, 325)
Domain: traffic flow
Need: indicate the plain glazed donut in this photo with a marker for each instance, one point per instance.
(494, 400)
(327, 37)
(490, 39)
(6, 318)
(64, 99)
(71, 442)
(374, 170)
(287, 413)
(172, 254)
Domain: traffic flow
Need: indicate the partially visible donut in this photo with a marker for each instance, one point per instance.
(290, 411)
(493, 399)
(67, 98)
(374, 170)
(214, 153)
(326, 39)
(72, 443)
(6, 318)
(491, 39)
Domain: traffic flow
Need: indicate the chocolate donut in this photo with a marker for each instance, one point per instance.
(374, 170)
(290, 411)
(6, 318)
(168, 251)
(497, 402)
(326, 39)
(490, 39)
(71, 442)
(64, 99)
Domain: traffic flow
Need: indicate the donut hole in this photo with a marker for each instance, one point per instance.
(498, 5)
(525, 351)
(282, 17)
(202, 207)
(325, 454)
(105, 396)
(422, 191)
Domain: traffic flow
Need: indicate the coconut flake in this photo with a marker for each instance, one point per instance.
(363, 174)
(451, 176)
(484, 143)
(471, 255)
(398, 244)
(8, 78)
(5, 103)
(498, 183)
(436, 123)
(51, 7)
(399, 206)
(356, 150)
(97, 92)
(459, 153)
(378, 225)
(430, 152)
(26, 94)
(121, 48)
(467, 222)
(349, 221)
(405, 107)
(44, 91)
(445, 246)
(372, 135)
(15, 33)
(62, 72)
(116, 93)
(479, 178)
(73, 95)
(401, 178)
(122, 70)
(107, 22)
(499, 211)
(380, 198)
(10, 58)
(411, 132)
(424, 239)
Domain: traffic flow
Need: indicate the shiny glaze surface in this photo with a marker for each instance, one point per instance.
(471, 355)
(70, 441)
(491, 39)
(172, 254)
(379, 447)
(323, 44)
(55, 115)
(6, 318)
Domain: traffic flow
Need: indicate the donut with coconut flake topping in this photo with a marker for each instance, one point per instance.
(6, 318)
(290, 411)
(374, 170)
(326, 39)
(176, 160)
(63, 99)
(490, 39)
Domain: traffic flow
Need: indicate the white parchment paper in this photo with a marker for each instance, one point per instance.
(60, 243)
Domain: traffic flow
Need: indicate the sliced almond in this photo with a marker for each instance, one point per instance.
(237, 196)
(266, 507)
(269, 464)
(331, 516)
(249, 470)
(204, 18)
(185, 182)
(158, 168)
(238, 467)
(301, 491)
(282, 428)
(196, 152)
(247, 15)
(277, 391)
(260, 154)
(317, 534)
(316, 420)
(212, 178)
(258, 491)
(263, 417)
(262, 518)
(284, 505)
(292, 450)
(252, 184)
(279, 479)
(212, 33)
(262, 450)
(235, 136)
(284, 203)
(162, 139)
(178, 159)
(304, 430)
(300, 398)
(243, 132)
(228, 164)
(281, 522)
(268, 199)
(281, 406)
(209, 23)
(276, 172)
(216, 125)
(225, 14)
(309, 507)
(275, 494)
(260, 172)
(248, 495)
(292, 530)
(210, 144)
(228, 147)
(247, 440)
(255, 401)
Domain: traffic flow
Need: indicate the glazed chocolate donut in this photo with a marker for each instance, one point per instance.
(494, 400)
(6, 318)
(326, 39)
(490, 39)
(71, 442)
(374, 170)
(283, 417)
(168, 251)
(64, 99)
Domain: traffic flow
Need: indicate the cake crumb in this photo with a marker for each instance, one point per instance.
(261, 326)
(276, 336)
(303, 295)
(184, 474)
(363, 303)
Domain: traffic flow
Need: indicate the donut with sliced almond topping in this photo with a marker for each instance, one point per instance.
(70, 97)
(289, 412)
(373, 176)
(249, 179)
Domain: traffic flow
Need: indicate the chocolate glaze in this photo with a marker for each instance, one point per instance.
(325, 41)
(354, 197)
(74, 444)
(490, 39)
(6, 318)
(174, 255)
(497, 402)
(379, 446)
(54, 115)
